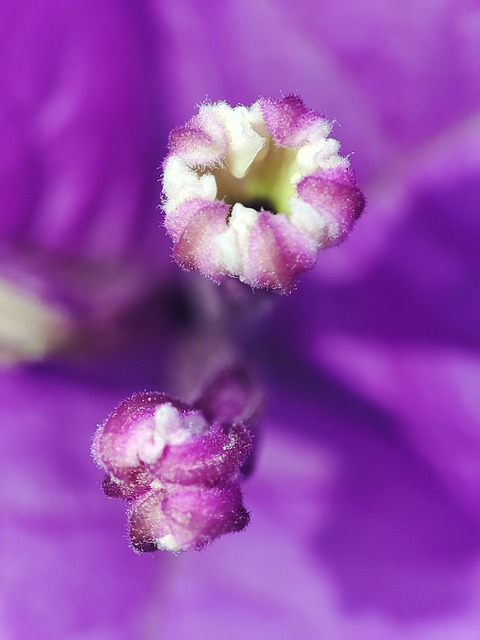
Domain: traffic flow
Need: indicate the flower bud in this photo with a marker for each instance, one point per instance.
(179, 470)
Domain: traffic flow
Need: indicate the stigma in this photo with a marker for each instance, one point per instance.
(257, 192)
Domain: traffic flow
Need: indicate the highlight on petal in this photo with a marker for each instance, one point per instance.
(29, 328)
(53, 305)
(179, 466)
(256, 192)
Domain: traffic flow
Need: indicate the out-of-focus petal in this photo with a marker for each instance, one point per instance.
(405, 330)
(392, 75)
(81, 127)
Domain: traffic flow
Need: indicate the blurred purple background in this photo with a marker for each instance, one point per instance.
(365, 501)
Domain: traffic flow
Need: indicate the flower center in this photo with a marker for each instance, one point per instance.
(228, 168)
(268, 183)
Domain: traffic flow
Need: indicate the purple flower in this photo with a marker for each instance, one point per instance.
(257, 192)
(364, 501)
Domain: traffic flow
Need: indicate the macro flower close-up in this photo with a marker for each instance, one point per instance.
(239, 298)
(257, 192)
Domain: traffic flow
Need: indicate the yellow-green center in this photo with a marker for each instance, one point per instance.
(267, 183)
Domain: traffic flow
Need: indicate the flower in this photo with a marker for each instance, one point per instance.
(364, 501)
(257, 192)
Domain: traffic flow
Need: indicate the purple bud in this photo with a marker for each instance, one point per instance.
(179, 466)
(234, 397)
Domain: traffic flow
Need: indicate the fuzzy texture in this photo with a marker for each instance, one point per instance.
(257, 192)
(179, 473)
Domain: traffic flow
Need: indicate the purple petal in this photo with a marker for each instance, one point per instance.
(288, 120)
(79, 156)
(334, 192)
(79, 128)
(195, 245)
(218, 454)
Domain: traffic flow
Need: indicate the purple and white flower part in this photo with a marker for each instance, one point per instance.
(180, 466)
(256, 192)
